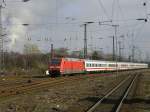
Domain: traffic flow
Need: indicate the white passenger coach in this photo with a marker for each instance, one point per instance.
(94, 65)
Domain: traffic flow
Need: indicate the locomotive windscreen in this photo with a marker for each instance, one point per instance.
(55, 61)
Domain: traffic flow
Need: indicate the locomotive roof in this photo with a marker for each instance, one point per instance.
(72, 59)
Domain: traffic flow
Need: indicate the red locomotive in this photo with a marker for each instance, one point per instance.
(65, 66)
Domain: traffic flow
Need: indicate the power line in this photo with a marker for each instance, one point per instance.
(121, 11)
(113, 9)
(102, 6)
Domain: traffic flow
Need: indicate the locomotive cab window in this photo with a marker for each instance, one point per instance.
(55, 61)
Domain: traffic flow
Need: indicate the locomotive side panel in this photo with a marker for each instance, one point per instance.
(71, 66)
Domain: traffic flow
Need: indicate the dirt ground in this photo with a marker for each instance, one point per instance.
(69, 97)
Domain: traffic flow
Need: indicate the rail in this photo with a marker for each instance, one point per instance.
(93, 108)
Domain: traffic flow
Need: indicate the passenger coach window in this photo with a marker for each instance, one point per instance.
(87, 65)
(112, 65)
(103, 65)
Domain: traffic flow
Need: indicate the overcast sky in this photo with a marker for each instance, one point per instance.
(60, 21)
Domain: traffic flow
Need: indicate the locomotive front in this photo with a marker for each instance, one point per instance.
(54, 67)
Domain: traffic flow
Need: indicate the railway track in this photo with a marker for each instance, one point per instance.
(12, 83)
(27, 88)
(113, 100)
(6, 81)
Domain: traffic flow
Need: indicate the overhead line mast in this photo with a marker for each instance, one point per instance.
(1, 41)
(85, 38)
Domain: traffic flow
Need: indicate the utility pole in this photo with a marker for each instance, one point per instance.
(100, 38)
(119, 43)
(1, 42)
(116, 38)
(116, 55)
(85, 38)
(129, 58)
(52, 52)
(85, 41)
(113, 47)
(133, 52)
